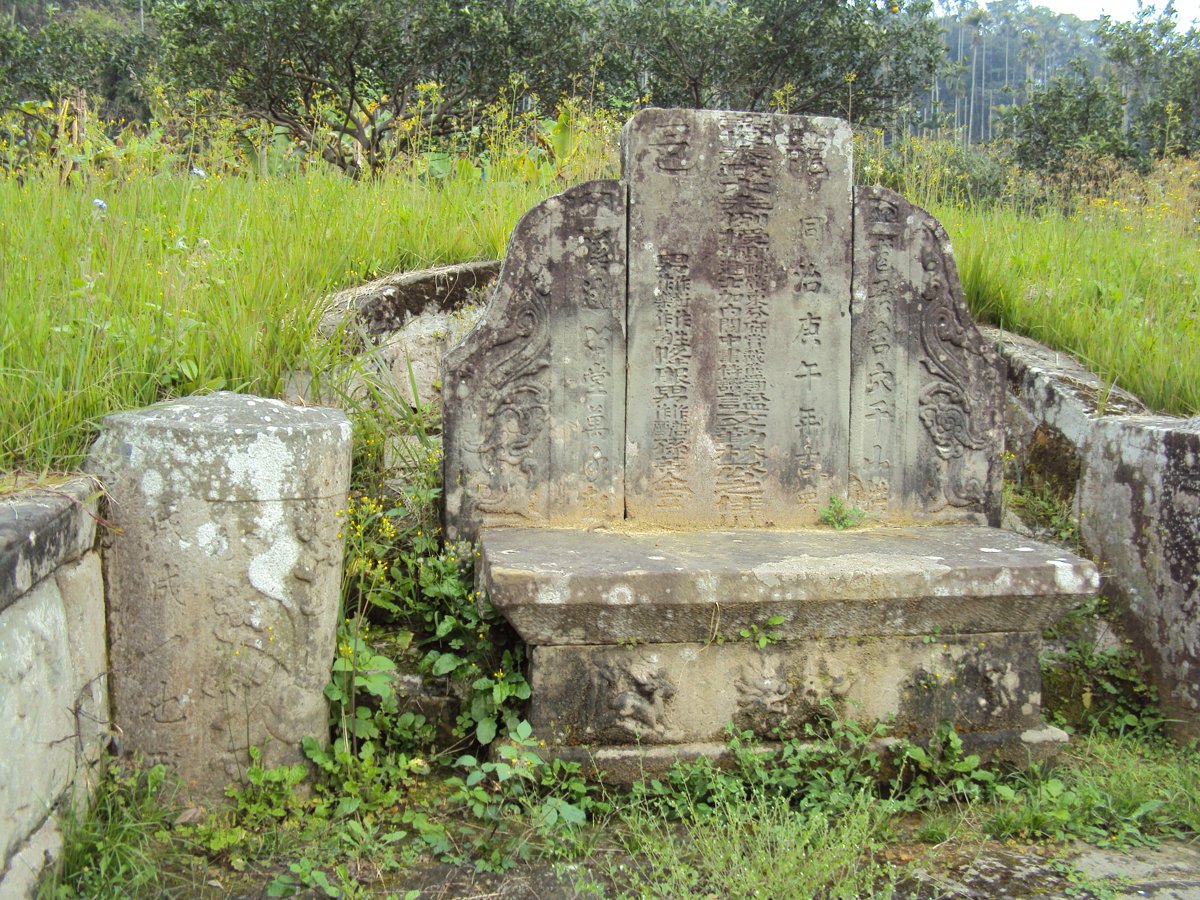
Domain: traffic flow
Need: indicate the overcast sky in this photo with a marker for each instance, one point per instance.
(1188, 10)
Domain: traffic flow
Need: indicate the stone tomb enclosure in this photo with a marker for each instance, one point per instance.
(676, 373)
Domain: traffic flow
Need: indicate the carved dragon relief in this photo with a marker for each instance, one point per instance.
(954, 407)
(513, 403)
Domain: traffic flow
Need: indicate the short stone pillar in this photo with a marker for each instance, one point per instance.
(223, 573)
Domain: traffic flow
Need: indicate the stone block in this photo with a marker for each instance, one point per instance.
(1140, 514)
(386, 305)
(41, 738)
(81, 586)
(32, 863)
(524, 447)
(689, 693)
(42, 528)
(412, 356)
(560, 586)
(223, 580)
(740, 243)
(1056, 390)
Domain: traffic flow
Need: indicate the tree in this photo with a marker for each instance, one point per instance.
(1073, 111)
(47, 52)
(860, 58)
(346, 77)
(1158, 69)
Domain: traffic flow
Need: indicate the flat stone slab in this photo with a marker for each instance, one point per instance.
(41, 529)
(570, 587)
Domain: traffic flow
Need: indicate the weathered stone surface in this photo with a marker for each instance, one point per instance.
(25, 871)
(1135, 479)
(789, 342)
(561, 586)
(739, 288)
(688, 693)
(42, 528)
(1054, 390)
(53, 704)
(224, 580)
(412, 357)
(81, 586)
(927, 394)
(385, 305)
(535, 395)
(1139, 501)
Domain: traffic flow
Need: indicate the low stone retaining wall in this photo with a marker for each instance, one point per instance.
(53, 671)
(1137, 498)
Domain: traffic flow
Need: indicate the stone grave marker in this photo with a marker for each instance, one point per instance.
(223, 578)
(677, 372)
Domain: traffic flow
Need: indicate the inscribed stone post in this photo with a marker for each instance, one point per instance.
(224, 579)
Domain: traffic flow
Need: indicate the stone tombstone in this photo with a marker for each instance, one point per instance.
(529, 447)
(739, 302)
(223, 574)
(790, 339)
(641, 428)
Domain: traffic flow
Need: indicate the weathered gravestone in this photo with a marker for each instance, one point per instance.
(676, 373)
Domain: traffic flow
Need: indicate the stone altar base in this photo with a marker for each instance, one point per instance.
(638, 655)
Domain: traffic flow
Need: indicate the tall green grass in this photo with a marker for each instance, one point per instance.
(1118, 289)
(118, 292)
(1101, 262)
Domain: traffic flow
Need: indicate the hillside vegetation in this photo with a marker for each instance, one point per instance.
(180, 183)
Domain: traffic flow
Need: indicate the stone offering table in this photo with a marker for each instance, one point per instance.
(676, 374)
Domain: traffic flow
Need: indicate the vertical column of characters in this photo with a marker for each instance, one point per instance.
(595, 324)
(810, 418)
(671, 382)
(817, 324)
(746, 277)
(879, 351)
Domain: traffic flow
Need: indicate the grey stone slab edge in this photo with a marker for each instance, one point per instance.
(1137, 500)
(559, 587)
(382, 306)
(627, 763)
(41, 529)
(1056, 389)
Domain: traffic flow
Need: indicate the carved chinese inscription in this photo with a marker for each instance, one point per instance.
(738, 317)
(874, 431)
(789, 340)
(671, 381)
(524, 445)
(925, 407)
